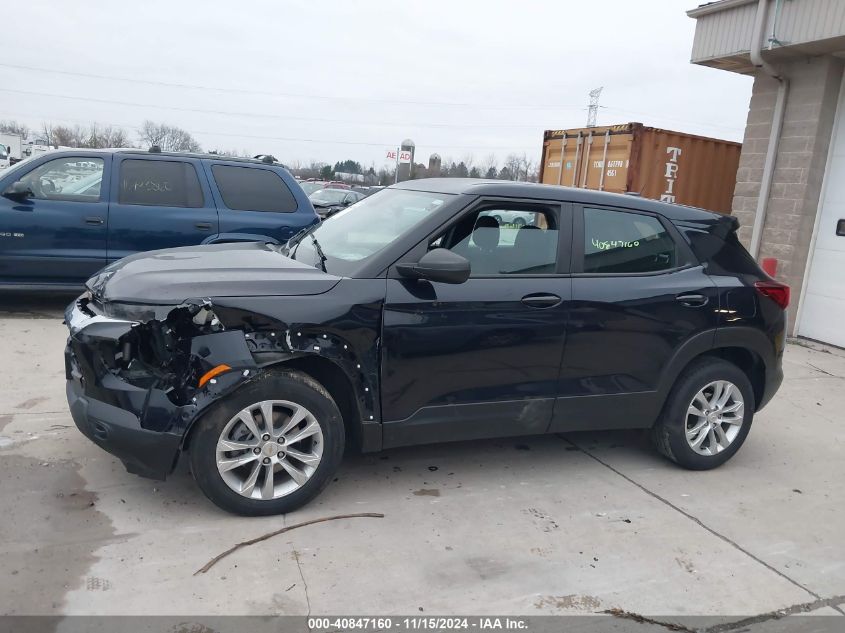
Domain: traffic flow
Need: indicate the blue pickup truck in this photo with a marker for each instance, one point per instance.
(66, 214)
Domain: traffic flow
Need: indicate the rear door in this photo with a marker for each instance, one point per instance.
(481, 358)
(256, 203)
(637, 296)
(158, 202)
(58, 235)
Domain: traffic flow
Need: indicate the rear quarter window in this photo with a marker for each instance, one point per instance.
(723, 256)
(253, 189)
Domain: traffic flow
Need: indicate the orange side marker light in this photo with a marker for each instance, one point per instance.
(211, 373)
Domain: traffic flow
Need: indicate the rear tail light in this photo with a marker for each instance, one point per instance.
(777, 292)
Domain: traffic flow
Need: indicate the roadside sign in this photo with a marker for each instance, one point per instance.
(404, 156)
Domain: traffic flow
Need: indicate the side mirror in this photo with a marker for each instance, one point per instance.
(438, 264)
(18, 191)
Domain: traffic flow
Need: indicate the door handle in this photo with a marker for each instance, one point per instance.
(840, 228)
(692, 300)
(541, 300)
(203, 226)
(96, 220)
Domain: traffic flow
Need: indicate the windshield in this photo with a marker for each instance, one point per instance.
(311, 187)
(3, 151)
(21, 165)
(362, 230)
(328, 195)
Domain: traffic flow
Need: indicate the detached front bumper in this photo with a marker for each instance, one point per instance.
(131, 412)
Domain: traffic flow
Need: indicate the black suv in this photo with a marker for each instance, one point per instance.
(417, 316)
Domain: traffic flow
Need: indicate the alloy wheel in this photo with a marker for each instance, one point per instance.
(269, 449)
(714, 417)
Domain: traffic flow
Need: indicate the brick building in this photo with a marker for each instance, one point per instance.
(790, 190)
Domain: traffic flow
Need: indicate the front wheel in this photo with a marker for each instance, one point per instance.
(270, 447)
(708, 415)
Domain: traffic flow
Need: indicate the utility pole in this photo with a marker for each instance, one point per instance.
(593, 110)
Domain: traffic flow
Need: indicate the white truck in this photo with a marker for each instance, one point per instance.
(36, 146)
(10, 149)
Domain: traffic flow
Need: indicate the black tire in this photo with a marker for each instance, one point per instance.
(294, 386)
(669, 432)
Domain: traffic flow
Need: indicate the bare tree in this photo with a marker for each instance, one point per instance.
(530, 169)
(512, 168)
(94, 136)
(13, 127)
(168, 137)
(386, 175)
(97, 137)
(108, 136)
(490, 165)
(61, 135)
(520, 167)
(231, 152)
(47, 133)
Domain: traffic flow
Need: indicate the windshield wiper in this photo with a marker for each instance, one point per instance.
(296, 240)
(320, 252)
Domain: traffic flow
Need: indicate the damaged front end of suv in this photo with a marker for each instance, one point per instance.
(137, 376)
(141, 374)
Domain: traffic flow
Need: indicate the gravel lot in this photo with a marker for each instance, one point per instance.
(532, 526)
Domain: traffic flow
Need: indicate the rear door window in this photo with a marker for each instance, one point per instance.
(159, 183)
(253, 189)
(621, 242)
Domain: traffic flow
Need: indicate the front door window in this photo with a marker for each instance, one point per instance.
(70, 178)
(505, 241)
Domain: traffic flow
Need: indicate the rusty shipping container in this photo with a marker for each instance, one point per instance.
(659, 164)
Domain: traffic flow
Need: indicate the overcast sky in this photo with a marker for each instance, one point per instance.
(332, 80)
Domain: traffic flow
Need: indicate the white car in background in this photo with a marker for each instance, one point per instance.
(515, 218)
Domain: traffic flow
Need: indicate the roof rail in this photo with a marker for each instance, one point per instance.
(265, 158)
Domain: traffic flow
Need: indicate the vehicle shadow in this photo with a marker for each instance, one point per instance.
(41, 305)
(372, 481)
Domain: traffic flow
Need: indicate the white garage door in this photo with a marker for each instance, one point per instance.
(823, 311)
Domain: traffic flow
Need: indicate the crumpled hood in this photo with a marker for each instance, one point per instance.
(172, 275)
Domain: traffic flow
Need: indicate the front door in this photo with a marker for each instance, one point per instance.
(159, 202)
(637, 296)
(481, 358)
(58, 234)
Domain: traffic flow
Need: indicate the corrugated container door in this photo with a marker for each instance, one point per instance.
(608, 162)
(561, 168)
(552, 162)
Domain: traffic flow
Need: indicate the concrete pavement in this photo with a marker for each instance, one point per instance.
(543, 525)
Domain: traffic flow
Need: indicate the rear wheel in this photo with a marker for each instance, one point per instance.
(270, 447)
(708, 415)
